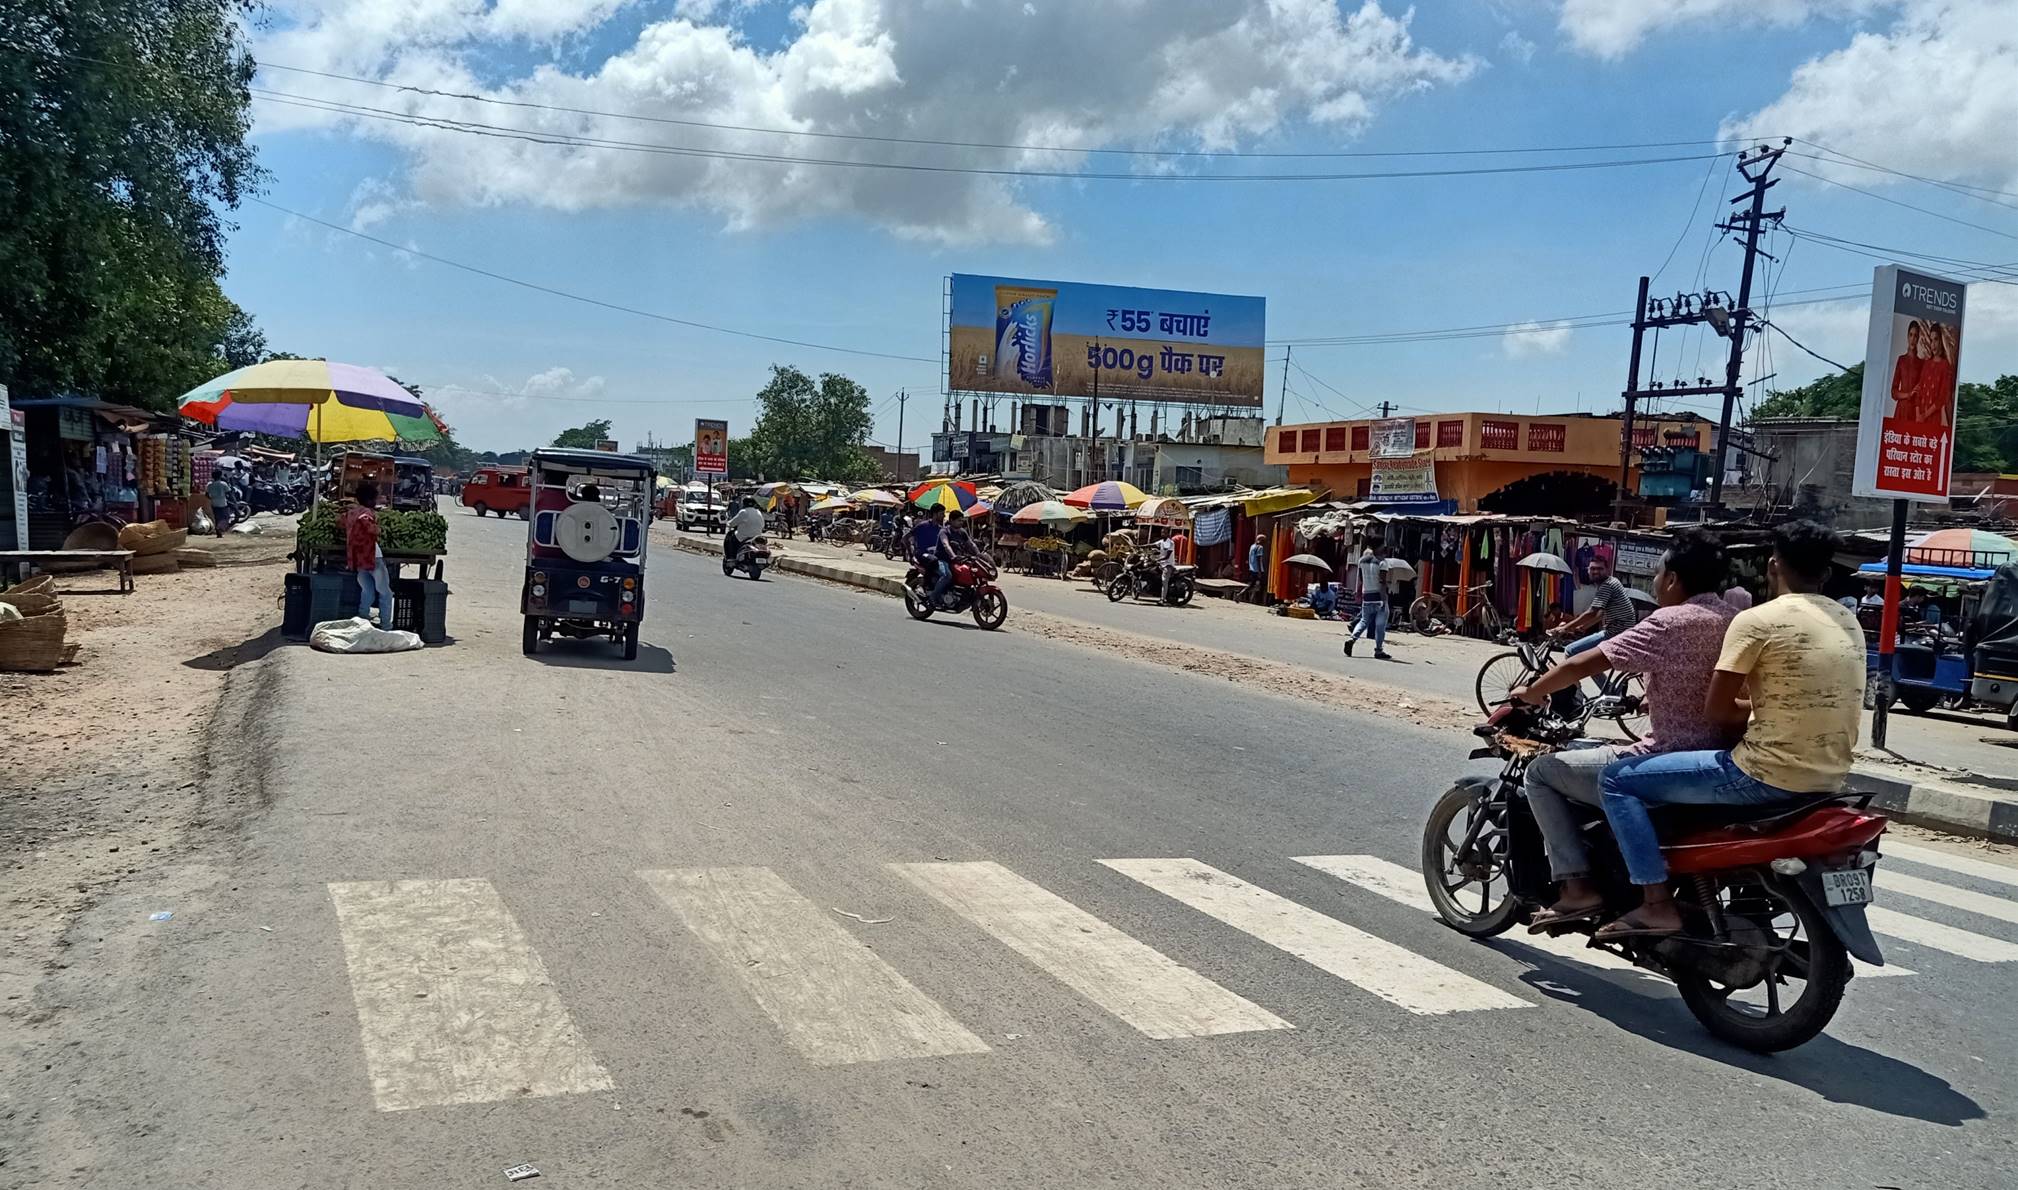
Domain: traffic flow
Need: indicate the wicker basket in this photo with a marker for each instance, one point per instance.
(154, 564)
(195, 557)
(33, 603)
(41, 584)
(34, 645)
(93, 536)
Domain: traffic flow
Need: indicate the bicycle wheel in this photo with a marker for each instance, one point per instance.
(1632, 723)
(1497, 678)
(1422, 613)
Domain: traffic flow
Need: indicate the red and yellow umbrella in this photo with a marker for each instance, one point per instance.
(1111, 496)
(950, 495)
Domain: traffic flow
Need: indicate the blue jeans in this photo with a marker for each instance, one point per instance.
(1372, 622)
(374, 586)
(943, 583)
(1630, 785)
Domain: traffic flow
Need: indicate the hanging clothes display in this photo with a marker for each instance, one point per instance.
(1213, 527)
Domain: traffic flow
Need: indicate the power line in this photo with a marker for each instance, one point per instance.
(1967, 189)
(576, 141)
(1695, 206)
(1881, 252)
(1897, 203)
(1804, 347)
(435, 389)
(576, 297)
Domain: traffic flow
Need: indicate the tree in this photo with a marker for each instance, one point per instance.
(584, 437)
(1837, 395)
(122, 135)
(809, 430)
(1986, 415)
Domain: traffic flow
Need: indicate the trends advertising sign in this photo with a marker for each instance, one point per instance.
(1063, 339)
(1906, 431)
(711, 446)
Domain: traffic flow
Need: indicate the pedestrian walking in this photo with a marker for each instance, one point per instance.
(219, 493)
(1257, 572)
(1372, 601)
(361, 550)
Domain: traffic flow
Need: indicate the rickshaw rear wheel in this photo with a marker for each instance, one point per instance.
(530, 642)
(1919, 699)
(631, 641)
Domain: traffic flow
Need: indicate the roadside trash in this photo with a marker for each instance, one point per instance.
(867, 921)
(268, 929)
(247, 527)
(519, 1173)
(164, 915)
(358, 636)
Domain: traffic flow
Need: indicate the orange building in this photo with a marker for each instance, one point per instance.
(1564, 465)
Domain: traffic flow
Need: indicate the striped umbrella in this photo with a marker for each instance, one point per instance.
(312, 399)
(1111, 496)
(1962, 547)
(1049, 512)
(876, 496)
(953, 497)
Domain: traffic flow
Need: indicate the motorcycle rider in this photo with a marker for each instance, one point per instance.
(924, 538)
(1676, 647)
(1791, 676)
(955, 543)
(746, 526)
(1166, 563)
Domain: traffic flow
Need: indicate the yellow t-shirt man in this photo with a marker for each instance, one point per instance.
(1804, 658)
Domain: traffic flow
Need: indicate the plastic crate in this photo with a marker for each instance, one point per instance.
(294, 623)
(420, 606)
(332, 595)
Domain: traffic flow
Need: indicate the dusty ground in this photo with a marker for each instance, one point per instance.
(106, 757)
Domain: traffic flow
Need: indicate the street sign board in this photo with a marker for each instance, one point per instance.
(607, 445)
(1906, 431)
(1393, 438)
(711, 446)
(1410, 480)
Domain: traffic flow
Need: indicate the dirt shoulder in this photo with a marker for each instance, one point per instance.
(106, 758)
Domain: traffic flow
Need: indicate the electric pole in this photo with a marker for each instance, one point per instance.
(1282, 401)
(1754, 168)
(903, 395)
(1632, 394)
(1386, 410)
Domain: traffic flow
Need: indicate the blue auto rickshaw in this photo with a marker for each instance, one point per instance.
(585, 546)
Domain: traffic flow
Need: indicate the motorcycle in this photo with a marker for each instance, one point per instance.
(1144, 580)
(1771, 896)
(973, 590)
(752, 557)
(272, 497)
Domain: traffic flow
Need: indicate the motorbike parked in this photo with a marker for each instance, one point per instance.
(1772, 897)
(1143, 578)
(752, 557)
(973, 590)
(274, 497)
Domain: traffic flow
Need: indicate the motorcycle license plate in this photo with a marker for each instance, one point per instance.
(1847, 888)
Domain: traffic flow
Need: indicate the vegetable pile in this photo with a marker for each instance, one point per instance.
(418, 531)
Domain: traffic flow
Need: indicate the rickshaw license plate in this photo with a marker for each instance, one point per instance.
(1847, 888)
(584, 605)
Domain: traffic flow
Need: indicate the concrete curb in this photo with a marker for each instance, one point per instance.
(1980, 812)
(1983, 813)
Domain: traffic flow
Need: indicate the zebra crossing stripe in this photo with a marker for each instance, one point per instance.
(1934, 935)
(1405, 886)
(1949, 895)
(835, 1001)
(1960, 865)
(1393, 973)
(1140, 985)
(453, 1003)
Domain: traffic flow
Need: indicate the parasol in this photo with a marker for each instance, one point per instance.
(833, 504)
(1963, 547)
(1048, 512)
(1109, 496)
(980, 508)
(953, 497)
(1016, 495)
(312, 399)
(1542, 560)
(876, 496)
(1310, 560)
(1396, 566)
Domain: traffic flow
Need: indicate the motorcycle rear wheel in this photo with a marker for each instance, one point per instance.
(1814, 956)
(990, 609)
(728, 566)
(1449, 821)
(1184, 590)
(916, 606)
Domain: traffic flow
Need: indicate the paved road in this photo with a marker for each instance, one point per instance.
(813, 895)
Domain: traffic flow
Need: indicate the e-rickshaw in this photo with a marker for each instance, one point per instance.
(1992, 642)
(585, 547)
(1934, 662)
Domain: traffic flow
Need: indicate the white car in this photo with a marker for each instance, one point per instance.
(698, 510)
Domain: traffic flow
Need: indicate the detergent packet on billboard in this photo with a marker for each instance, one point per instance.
(1023, 332)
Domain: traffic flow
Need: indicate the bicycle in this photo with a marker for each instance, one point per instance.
(1621, 697)
(1431, 615)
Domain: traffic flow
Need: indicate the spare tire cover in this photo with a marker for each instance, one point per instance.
(587, 532)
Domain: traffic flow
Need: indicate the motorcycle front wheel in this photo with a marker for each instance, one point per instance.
(990, 609)
(1465, 852)
(1813, 967)
(1118, 589)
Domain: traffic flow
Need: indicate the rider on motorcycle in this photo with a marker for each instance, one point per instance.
(746, 526)
(1166, 563)
(1791, 676)
(1676, 646)
(955, 543)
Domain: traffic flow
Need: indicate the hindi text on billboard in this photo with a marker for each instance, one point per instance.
(1906, 427)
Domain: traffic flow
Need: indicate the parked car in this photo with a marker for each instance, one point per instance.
(502, 490)
(698, 510)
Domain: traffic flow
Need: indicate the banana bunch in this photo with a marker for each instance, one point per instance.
(416, 531)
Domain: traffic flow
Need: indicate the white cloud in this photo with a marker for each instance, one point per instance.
(1513, 45)
(1524, 339)
(1837, 330)
(491, 413)
(1210, 73)
(1612, 28)
(1936, 93)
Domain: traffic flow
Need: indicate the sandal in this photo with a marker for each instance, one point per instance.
(1549, 918)
(1627, 927)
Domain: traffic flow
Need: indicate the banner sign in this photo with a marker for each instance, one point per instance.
(1394, 438)
(711, 446)
(1410, 480)
(1634, 557)
(1906, 430)
(15, 461)
(1064, 339)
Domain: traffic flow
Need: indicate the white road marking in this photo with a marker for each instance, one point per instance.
(453, 1003)
(1395, 974)
(1135, 982)
(831, 996)
(1933, 934)
(1945, 894)
(1405, 886)
(1961, 865)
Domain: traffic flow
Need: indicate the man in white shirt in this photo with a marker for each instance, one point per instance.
(747, 525)
(1372, 601)
(1166, 560)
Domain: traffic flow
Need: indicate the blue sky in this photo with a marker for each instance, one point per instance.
(856, 258)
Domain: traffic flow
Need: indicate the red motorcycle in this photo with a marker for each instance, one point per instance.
(973, 590)
(1772, 897)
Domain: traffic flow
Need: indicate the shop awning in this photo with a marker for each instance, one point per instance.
(1913, 570)
(106, 409)
(1272, 500)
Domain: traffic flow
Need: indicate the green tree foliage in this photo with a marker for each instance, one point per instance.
(1986, 422)
(808, 429)
(122, 136)
(584, 437)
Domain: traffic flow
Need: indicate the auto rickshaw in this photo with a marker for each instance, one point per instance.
(1933, 659)
(585, 547)
(1992, 643)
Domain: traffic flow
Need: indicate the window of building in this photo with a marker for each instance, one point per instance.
(1545, 437)
(1190, 477)
(1450, 433)
(1494, 434)
(1360, 437)
(1311, 438)
(1334, 438)
(1421, 434)
(1285, 442)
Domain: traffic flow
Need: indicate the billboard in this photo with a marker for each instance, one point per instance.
(1906, 428)
(1393, 438)
(1064, 339)
(1407, 480)
(711, 446)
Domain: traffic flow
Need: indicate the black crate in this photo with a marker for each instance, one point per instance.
(332, 595)
(294, 607)
(420, 606)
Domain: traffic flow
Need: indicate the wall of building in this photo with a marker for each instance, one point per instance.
(1812, 471)
(901, 467)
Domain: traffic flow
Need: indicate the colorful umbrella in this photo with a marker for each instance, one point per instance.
(1962, 547)
(980, 508)
(833, 504)
(312, 399)
(953, 497)
(875, 496)
(770, 492)
(1111, 496)
(1048, 512)
(929, 484)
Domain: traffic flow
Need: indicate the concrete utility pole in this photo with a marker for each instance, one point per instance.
(903, 395)
(1386, 409)
(1282, 401)
(1632, 394)
(1754, 168)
